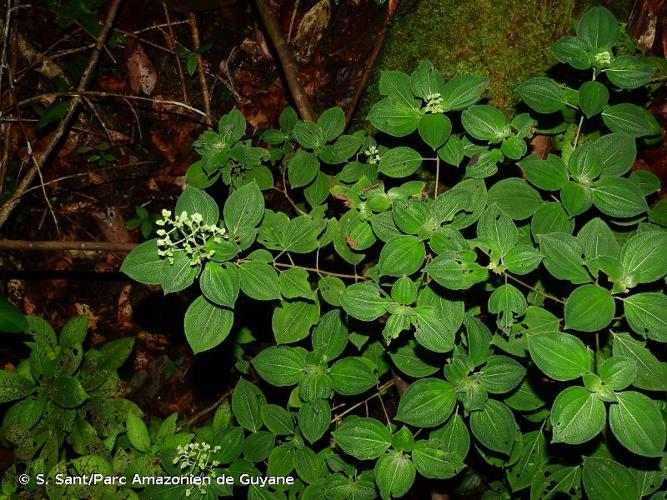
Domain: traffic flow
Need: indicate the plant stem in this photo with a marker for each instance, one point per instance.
(536, 290)
(437, 177)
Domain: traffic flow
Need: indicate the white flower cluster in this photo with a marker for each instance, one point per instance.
(373, 155)
(196, 458)
(187, 233)
(434, 103)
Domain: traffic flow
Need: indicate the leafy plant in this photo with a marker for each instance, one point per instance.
(98, 154)
(144, 221)
(190, 56)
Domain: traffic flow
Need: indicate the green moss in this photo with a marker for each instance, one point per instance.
(505, 40)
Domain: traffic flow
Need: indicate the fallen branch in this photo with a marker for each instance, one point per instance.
(63, 126)
(206, 97)
(84, 246)
(287, 60)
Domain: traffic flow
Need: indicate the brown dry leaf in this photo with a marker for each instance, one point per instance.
(141, 71)
(311, 29)
(113, 83)
(163, 146)
(112, 225)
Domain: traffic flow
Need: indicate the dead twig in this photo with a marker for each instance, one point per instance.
(84, 246)
(206, 97)
(178, 59)
(63, 126)
(287, 60)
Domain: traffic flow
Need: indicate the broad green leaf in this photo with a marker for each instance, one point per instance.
(434, 129)
(618, 372)
(331, 288)
(550, 480)
(585, 165)
(617, 153)
(330, 335)
(206, 324)
(589, 308)
(637, 423)
(243, 209)
(14, 386)
(485, 123)
(220, 283)
(314, 419)
(434, 462)
(115, 353)
(550, 218)
(577, 416)
(363, 438)
(628, 72)
(67, 392)
(576, 198)
(456, 272)
(413, 361)
(258, 446)
(11, 320)
(522, 259)
(332, 121)
(395, 118)
(593, 97)
(542, 94)
(532, 456)
(452, 152)
(514, 147)
(508, 303)
(277, 419)
(598, 240)
(563, 257)
(292, 321)
(599, 28)
(247, 399)
(302, 169)
(501, 374)
(630, 119)
(606, 479)
(494, 426)
(462, 91)
(426, 81)
(643, 257)
(396, 85)
(515, 197)
(394, 474)
(309, 134)
(404, 291)
(618, 197)
(352, 376)
(281, 366)
(196, 201)
(399, 162)
(363, 301)
(428, 402)
(143, 264)
(294, 284)
(651, 373)
(646, 313)
(549, 174)
(559, 355)
(179, 274)
(259, 281)
(524, 398)
(318, 191)
(137, 433)
(573, 51)
(403, 255)
(453, 437)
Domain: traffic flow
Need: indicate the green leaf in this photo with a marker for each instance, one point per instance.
(277, 419)
(247, 400)
(593, 97)
(542, 94)
(399, 162)
(404, 291)
(494, 426)
(14, 386)
(637, 423)
(178, 275)
(332, 121)
(302, 169)
(318, 191)
(115, 353)
(394, 474)
(549, 174)
(630, 119)
(309, 134)
(258, 446)
(617, 153)
(509, 303)
(577, 416)
(462, 91)
(573, 51)
(395, 118)
(74, 332)
(598, 240)
(643, 257)
(331, 288)
(206, 325)
(220, 283)
(288, 118)
(244, 209)
(522, 259)
(628, 72)
(259, 281)
(413, 361)
(137, 433)
(501, 374)
(532, 456)
(452, 152)
(330, 335)
(563, 257)
(281, 366)
(292, 321)
(550, 218)
(314, 419)
(67, 392)
(618, 372)
(651, 373)
(646, 313)
(403, 255)
(396, 85)
(559, 355)
(485, 123)
(576, 198)
(232, 126)
(196, 201)
(428, 402)
(584, 165)
(294, 284)
(143, 264)
(11, 320)
(456, 272)
(426, 81)
(434, 129)
(352, 376)
(436, 463)
(514, 147)
(363, 438)
(589, 308)
(550, 480)
(497, 230)
(515, 197)
(605, 479)
(618, 197)
(453, 437)
(363, 301)
(599, 28)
